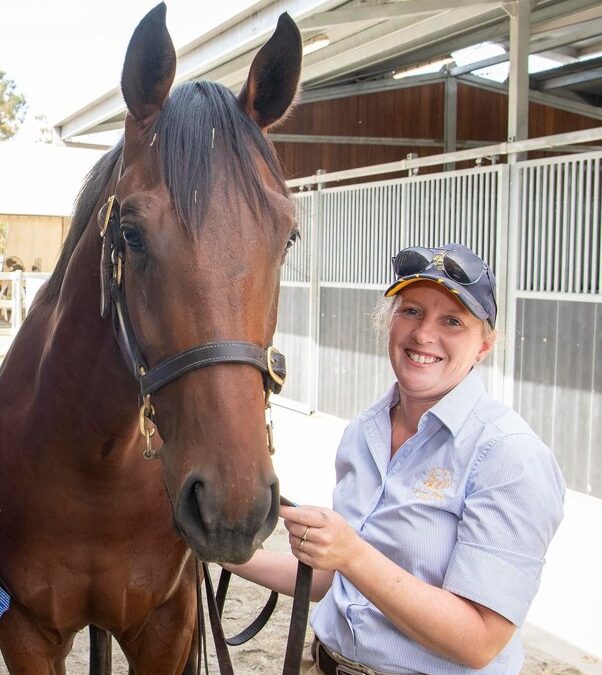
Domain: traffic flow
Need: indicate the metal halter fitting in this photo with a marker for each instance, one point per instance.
(269, 361)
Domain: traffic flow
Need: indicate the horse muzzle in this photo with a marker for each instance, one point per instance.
(219, 529)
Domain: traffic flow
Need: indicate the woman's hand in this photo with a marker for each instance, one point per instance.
(319, 537)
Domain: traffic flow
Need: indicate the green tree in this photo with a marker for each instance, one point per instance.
(12, 107)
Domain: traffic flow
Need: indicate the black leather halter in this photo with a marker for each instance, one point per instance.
(269, 361)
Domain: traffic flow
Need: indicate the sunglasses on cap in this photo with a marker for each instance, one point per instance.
(463, 267)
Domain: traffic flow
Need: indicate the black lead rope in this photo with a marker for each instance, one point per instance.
(215, 604)
(256, 625)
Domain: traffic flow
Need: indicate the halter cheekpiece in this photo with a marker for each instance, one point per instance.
(269, 361)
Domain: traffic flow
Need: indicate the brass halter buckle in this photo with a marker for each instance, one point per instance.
(147, 428)
(270, 361)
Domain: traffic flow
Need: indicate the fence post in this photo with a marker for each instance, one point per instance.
(507, 264)
(17, 297)
(314, 296)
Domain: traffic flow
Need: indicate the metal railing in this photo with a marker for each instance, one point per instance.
(538, 222)
(17, 291)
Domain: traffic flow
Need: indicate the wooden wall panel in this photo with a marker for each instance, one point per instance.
(304, 159)
(483, 116)
(415, 112)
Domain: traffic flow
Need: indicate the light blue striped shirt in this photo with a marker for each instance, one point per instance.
(469, 503)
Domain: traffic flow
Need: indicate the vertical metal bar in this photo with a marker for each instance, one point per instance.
(536, 228)
(418, 224)
(478, 217)
(580, 209)
(586, 218)
(486, 216)
(507, 259)
(326, 198)
(528, 252)
(448, 182)
(355, 262)
(343, 253)
(571, 224)
(315, 263)
(431, 224)
(564, 227)
(413, 212)
(558, 230)
(542, 253)
(551, 215)
(596, 275)
(405, 206)
(374, 226)
(464, 208)
(522, 181)
(372, 217)
(454, 208)
(386, 238)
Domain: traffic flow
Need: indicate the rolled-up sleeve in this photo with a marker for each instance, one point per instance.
(513, 506)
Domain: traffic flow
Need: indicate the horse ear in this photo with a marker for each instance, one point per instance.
(274, 75)
(150, 66)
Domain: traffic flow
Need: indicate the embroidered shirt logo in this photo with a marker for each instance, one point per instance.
(434, 484)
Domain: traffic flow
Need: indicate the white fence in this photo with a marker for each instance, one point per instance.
(17, 291)
(537, 222)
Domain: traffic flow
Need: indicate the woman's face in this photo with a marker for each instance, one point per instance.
(434, 341)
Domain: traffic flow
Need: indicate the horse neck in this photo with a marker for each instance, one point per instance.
(81, 358)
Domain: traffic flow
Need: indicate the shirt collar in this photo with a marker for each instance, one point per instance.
(456, 405)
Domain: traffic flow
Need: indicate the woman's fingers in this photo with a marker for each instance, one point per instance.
(305, 515)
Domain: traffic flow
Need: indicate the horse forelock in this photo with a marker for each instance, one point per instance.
(202, 130)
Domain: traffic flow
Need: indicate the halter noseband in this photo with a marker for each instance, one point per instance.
(269, 361)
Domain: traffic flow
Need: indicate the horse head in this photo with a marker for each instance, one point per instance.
(204, 223)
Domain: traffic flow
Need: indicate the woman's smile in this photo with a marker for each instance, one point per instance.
(422, 358)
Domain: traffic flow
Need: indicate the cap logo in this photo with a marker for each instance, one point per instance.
(438, 261)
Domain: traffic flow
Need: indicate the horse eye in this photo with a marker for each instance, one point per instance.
(132, 237)
(295, 236)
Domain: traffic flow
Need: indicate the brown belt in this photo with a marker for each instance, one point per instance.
(330, 665)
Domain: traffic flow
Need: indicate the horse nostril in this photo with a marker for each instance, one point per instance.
(198, 494)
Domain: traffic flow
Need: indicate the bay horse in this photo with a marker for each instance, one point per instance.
(193, 241)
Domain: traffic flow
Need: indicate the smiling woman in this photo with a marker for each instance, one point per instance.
(445, 501)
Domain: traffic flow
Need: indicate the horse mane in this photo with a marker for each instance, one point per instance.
(203, 124)
(94, 186)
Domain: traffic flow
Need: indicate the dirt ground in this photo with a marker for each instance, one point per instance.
(264, 655)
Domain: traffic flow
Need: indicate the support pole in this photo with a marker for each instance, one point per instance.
(450, 118)
(314, 295)
(518, 84)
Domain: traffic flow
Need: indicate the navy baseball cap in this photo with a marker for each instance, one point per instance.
(455, 267)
